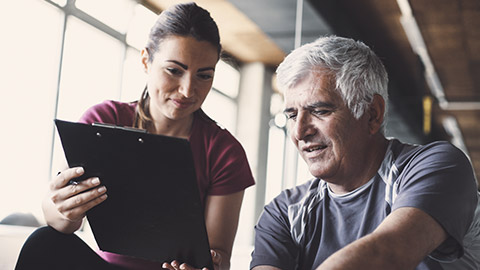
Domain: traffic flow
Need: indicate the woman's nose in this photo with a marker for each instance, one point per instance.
(186, 87)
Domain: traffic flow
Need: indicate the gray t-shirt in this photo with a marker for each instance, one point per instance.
(303, 226)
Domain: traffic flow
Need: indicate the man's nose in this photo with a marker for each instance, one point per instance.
(303, 127)
(187, 87)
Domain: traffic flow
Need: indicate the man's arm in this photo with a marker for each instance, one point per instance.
(401, 241)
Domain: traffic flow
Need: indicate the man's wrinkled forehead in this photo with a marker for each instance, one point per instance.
(315, 80)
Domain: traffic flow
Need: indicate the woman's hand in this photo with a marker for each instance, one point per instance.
(174, 265)
(71, 202)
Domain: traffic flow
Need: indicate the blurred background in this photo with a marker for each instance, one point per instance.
(59, 57)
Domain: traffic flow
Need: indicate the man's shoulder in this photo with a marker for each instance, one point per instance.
(299, 195)
(406, 152)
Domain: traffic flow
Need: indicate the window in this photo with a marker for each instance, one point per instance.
(30, 51)
(91, 71)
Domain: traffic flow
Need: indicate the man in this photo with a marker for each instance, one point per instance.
(375, 203)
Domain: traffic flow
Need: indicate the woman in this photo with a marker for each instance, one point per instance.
(179, 59)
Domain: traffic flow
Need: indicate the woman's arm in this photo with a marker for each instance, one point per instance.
(221, 219)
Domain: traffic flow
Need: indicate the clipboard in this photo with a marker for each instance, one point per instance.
(153, 210)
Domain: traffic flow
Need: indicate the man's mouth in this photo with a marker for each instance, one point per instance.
(314, 148)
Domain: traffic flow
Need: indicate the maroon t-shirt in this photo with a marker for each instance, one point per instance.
(220, 161)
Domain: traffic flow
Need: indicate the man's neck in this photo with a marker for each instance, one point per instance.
(364, 173)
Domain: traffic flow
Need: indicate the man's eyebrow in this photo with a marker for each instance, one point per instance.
(321, 104)
(288, 110)
(178, 63)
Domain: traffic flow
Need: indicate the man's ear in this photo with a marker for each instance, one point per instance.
(376, 113)
(145, 57)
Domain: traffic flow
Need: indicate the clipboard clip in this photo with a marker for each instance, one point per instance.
(119, 127)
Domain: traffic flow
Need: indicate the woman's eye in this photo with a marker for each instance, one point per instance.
(205, 76)
(174, 71)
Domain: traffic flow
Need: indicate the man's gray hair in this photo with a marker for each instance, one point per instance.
(358, 72)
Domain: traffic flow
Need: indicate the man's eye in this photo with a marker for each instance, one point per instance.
(291, 116)
(321, 112)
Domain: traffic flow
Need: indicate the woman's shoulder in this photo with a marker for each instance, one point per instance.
(111, 112)
(206, 127)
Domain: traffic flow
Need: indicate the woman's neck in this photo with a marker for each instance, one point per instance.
(176, 128)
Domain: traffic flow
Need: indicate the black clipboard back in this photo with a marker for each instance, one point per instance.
(153, 210)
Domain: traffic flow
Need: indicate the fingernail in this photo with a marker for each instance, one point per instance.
(95, 181)
(102, 189)
(79, 170)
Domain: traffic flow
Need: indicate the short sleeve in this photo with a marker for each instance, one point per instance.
(229, 168)
(110, 112)
(439, 180)
(274, 245)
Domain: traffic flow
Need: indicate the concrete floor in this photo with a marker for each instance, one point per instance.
(11, 241)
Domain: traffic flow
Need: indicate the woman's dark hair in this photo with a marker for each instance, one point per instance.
(186, 19)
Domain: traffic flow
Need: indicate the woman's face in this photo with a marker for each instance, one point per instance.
(179, 77)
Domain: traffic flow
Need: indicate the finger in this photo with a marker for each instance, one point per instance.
(167, 266)
(185, 266)
(84, 198)
(76, 207)
(216, 257)
(175, 264)
(72, 190)
(64, 176)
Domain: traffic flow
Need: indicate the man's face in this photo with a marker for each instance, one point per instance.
(327, 136)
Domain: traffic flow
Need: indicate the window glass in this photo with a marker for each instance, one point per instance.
(29, 52)
(134, 78)
(276, 148)
(60, 2)
(91, 73)
(139, 29)
(114, 13)
(221, 109)
(227, 79)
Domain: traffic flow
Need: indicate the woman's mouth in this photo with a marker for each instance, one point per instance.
(182, 104)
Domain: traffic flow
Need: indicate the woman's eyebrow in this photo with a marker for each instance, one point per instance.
(178, 63)
(186, 67)
(206, 68)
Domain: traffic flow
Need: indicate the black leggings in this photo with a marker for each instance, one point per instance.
(47, 248)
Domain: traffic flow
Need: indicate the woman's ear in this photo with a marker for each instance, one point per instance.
(376, 113)
(145, 57)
